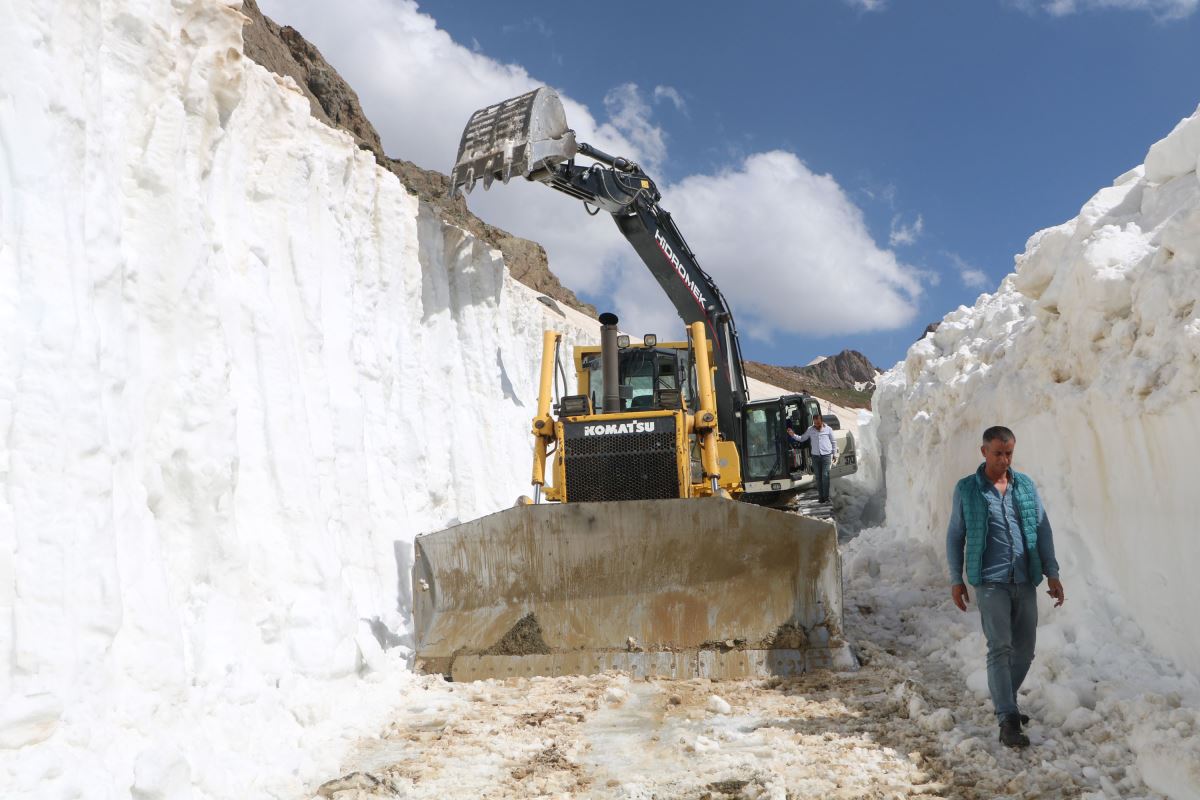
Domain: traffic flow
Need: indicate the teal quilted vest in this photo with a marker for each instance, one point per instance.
(975, 516)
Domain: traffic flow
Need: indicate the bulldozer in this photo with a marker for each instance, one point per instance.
(634, 552)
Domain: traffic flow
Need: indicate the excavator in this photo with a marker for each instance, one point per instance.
(634, 553)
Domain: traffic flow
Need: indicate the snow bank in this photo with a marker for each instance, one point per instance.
(242, 369)
(1090, 351)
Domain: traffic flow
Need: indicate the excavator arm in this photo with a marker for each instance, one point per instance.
(528, 136)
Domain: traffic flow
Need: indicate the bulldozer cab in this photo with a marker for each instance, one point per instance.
(653, 376)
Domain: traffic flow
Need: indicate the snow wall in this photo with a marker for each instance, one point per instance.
(1090, 352)
(242, 368)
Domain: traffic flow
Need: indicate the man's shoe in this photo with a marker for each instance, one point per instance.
(1010, 732)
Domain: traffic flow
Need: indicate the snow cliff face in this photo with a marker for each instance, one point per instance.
(1090, 352)
(242, 368)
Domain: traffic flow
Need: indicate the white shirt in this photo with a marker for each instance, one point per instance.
(822, 441)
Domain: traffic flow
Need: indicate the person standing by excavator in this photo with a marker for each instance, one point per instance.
(823, 446)
(998, 521)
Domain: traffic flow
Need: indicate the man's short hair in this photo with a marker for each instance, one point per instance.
(998, 432)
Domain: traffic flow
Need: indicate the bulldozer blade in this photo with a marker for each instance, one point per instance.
(519, 136)
(671, 588)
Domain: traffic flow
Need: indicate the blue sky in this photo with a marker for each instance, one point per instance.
(891, 157)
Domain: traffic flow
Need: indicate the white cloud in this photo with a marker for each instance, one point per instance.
(773, 235)
(630, 114)
(672, 94)
(971, 276)
(905, 234)
(765, 230)
(1164, 10)
(974, 278)
(419, 87)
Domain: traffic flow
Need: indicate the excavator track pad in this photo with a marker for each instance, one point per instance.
(670, 588)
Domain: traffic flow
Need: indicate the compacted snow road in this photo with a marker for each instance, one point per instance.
(904, 725)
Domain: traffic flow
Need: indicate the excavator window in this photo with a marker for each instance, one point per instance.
(763, 448)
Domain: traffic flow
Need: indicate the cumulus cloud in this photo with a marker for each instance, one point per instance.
(774, 234)
(765, 230)
(971, 276)
(902, 234)
(1164, 10)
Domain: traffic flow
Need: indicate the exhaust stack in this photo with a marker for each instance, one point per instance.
(609, 368)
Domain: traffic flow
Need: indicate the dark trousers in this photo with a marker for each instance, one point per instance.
(821, 474)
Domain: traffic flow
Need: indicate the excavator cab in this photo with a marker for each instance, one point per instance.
(778, 467)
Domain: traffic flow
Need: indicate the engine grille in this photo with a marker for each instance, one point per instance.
(604, 463)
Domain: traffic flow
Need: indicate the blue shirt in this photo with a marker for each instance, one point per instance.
(1004, 559)
(821, 441)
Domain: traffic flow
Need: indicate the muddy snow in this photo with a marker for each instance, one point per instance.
(913, 721)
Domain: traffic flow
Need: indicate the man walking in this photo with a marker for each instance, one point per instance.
(824, 452)
(998, 519)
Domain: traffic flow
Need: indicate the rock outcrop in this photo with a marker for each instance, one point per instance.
(849, 369)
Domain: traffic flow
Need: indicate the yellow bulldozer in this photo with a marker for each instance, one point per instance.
(635, 552)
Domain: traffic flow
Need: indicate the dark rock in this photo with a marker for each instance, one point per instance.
(835, 379)
(849, 369)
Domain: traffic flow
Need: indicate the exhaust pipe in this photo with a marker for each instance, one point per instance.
(608, 363)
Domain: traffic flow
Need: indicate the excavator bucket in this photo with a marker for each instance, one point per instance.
(519, 136)
(671, 588)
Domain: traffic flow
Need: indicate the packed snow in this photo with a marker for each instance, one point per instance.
(244, 367)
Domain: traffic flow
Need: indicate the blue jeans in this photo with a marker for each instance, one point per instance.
(821, 474)
(1009, 615)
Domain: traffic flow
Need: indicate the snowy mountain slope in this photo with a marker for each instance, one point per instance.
(242, 369)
